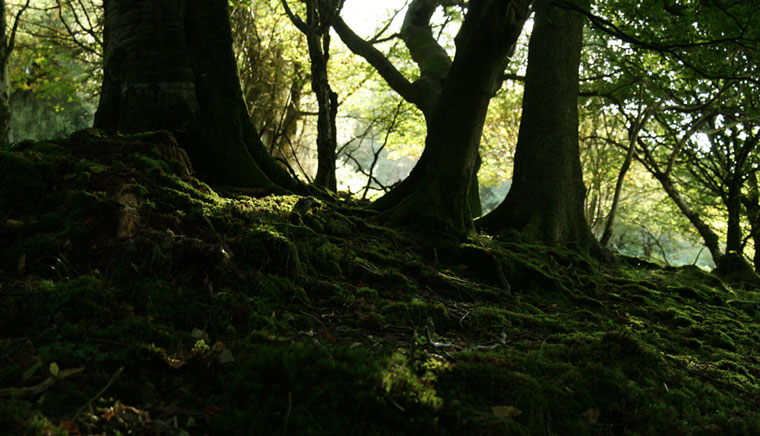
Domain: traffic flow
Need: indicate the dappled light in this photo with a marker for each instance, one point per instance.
(509, 217)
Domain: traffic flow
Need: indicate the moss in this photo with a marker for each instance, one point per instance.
(415, 313)
(19, 417)
(270, 251)
(21, 185)
(326, 260)
(302, 387)
(367, 293)
(316, 323)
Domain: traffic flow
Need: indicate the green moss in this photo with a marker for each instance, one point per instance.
(367, 293)
(270, 251)
(326, 260)
(317, 323)
(303, 387)
(21, 185)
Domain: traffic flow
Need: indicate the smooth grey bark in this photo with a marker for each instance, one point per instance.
(545, 201)
(169, 65)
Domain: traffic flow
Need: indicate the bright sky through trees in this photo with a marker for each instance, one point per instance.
(364, 16)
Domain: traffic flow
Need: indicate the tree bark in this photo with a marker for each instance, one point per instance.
(751, 203)
(435, 68)
(709, 237)
(169, 65)
(733, 203)
(7, 41)
(545, 201)
(319, 17)
(633, 136)
(5, 109)
(436, 193)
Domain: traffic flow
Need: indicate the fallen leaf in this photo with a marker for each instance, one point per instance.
(226, 356)
(14, 224)
(592, 415)
(54, 369)
(21, 265)
(70, 427)
(506, 412)
(174, 363)
(97, 169)
(199, 334)
(213, 411)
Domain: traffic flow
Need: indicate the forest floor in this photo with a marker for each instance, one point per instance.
(134, 299)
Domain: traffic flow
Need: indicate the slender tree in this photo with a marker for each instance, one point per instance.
(169, 64)
(545, 201)
(320, 15)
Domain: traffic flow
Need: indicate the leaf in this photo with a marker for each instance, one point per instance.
(506, 412)
(14, 224)
(21, 265)
(226, 356)
(54, 369)
(592, 415)
(70, 427)
(97, 169)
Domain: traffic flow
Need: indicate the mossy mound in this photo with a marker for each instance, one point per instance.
(138, 300)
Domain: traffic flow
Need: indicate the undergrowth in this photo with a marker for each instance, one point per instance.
(135, 299)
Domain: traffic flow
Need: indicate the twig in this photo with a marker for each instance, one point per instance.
(31, 391)
(101, 392)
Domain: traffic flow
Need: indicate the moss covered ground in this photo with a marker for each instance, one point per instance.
(135, 299)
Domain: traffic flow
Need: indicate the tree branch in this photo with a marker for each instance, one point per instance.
(377, 59)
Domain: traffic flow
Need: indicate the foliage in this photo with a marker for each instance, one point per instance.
(54, 69)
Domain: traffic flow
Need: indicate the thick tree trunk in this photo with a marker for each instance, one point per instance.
(5, 109)
(6, 48)
(545, 201)
(425, 92)
(733, 203)
(751, 203)
(436, 194)
(169, 65)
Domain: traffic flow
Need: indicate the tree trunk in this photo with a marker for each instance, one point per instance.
(734, 210)
(633, 136)
(752, 206)
(5, 109)
(169, 65)
(545, 201)
(425, 92)
(7, 41)
(436, 194)
(319, 17)
(709, 237)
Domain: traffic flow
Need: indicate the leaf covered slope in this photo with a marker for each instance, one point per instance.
(137, 300)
